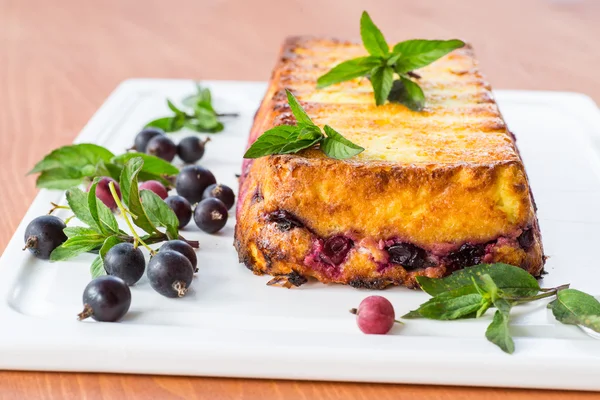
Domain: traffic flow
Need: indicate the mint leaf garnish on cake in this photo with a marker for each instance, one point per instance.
(287, 139)
(390, 72)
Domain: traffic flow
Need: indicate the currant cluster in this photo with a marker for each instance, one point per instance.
(154, 141)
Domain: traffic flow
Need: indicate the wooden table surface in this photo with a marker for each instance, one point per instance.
(60, 59)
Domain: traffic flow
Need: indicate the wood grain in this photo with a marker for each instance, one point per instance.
(60, 59)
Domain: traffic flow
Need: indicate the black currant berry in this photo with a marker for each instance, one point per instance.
(192, 181)
(182, 209)
(184, 248)
(162, 147)
(526, 239)
(191, 149)
(141, 139)
(170, 273)
(221, 192)
(467, 255)
(106, 299)
(210, 215)
(407, 255)
(285, 220)
(336, 248)
(156, 187)
(126, 262)
(43, 235)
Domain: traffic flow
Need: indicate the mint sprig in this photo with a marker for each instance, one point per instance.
(390, 72)
(470, 292)
(201, 116)
(287, 139)
(102, 232)
(72, 165)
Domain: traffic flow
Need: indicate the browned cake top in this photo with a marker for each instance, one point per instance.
(461, 122)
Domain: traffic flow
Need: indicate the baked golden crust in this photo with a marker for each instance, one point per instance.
(446, 183)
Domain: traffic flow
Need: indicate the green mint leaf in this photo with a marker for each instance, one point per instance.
(160, 213)
(202, 97)
(152, 164)
(448, 308)
(502, 305)
(73, 156)
(131, 195)
(175, 109)
(372, 37)
(414, 314)
(282, 139)
(205, 117)
(338, 147)
(200, 126)
(78, 202)
(301, 117)
(101, 213)
(60, 178)
(407, 92)
(391, 61)
(484, 307)
(97, 268)
(418, 53)
(191, 100)
(310, 132)
(498, 331)
(168, 124)
(576, 308)
(108, 169)
(348, 70)
(446, 299)
(513, 281)
(72, 231)
(382, 79)
(75, 246)
(489, 286)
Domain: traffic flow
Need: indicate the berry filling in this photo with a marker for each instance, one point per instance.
(466, 256)
(327, 255)
(285, 221)
(336, 249)
(407, 255)
(526, 239)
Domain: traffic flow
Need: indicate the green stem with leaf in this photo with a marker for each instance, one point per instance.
(124, 212)
(546, 293)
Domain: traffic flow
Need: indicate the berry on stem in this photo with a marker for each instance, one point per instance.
(375, 315)
(106, 299)
(191, 149)
(43, 235)
(170, 273)
(136, 237)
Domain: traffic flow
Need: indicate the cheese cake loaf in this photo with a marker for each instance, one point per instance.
(434, 191)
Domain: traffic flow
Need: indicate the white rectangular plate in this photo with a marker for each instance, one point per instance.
(232, 324)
